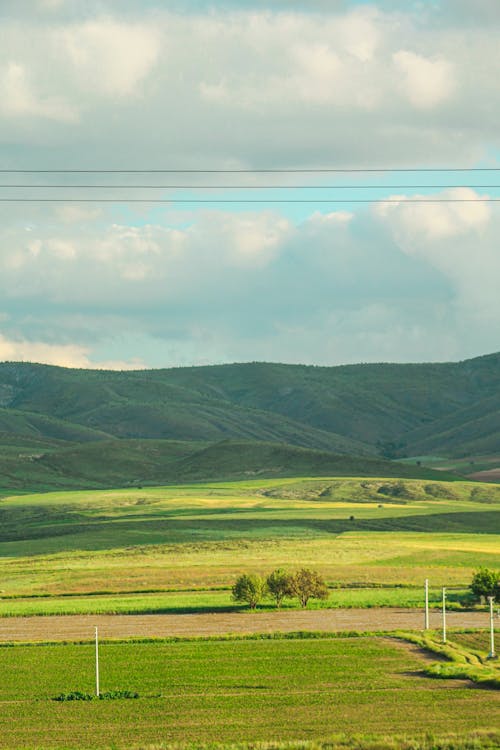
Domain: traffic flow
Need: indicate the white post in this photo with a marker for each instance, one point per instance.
(426, 625)
(492, 654)
(96, 663)
(444, 614)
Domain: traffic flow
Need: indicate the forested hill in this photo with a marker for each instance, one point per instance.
(449, 409)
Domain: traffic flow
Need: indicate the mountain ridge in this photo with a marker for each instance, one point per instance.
(449, 409)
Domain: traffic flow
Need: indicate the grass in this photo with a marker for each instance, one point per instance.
(463, 662)
(171, 548)
(233, 691)
(210, 601)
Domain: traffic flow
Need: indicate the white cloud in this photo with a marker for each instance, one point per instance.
(244, 241)
(109, 56)
(320, 72)
(426, 83)
(123, 85)
(435, 221)
(458, 240)
(230, 287)
(72, 214)
(250, 87)
(63, 355)
(18, 98)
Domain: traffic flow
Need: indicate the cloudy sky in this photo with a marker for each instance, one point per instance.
(283, 265)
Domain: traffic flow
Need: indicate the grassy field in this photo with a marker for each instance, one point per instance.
(176, 548)
(215, 601)
(233, 691)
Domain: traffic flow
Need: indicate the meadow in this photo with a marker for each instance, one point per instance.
(180, 548)
(237, 691)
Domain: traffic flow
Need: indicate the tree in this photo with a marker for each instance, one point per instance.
(308, 584)
(279, 585)
(249, 588)
(485, 583)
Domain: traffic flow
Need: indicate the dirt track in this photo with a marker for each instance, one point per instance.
(81, 627)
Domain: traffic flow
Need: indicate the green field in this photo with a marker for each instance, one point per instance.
(232, 691)
(181, 548)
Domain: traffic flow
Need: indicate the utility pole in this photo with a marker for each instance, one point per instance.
(426, 620)
(444, 614)
(492, 654)
(96, 663)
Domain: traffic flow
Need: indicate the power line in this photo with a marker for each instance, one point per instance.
(249, 200)
(312, 170)
(250, 187)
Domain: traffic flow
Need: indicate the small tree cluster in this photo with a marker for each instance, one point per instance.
(486, 583)
(305, 584)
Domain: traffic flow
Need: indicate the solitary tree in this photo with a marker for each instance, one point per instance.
(279, 585)
(249, 588)
(308, 584)
(485, 583)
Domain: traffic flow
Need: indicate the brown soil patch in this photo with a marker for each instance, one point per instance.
(81, 627)
(490, 475)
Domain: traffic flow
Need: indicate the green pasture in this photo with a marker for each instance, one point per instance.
(196, 601)
(233, 691)
(376, 539)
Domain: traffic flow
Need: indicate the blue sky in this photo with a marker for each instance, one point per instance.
(246, 86)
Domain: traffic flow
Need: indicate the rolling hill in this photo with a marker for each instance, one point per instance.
(53, 420)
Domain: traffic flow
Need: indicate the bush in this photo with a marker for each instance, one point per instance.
(76, 695)
(117, 695)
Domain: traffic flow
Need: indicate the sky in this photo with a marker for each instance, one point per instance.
(305, 266)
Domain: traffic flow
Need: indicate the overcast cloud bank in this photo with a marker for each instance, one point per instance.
(132, 85)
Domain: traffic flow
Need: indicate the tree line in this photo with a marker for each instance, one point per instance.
(304, 584)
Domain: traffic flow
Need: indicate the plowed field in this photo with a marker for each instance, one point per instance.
(60, 628)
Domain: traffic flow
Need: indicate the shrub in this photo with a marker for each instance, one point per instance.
(117, 695)
(76, 695)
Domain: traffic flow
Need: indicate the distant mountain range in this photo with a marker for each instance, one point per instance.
(54, 421)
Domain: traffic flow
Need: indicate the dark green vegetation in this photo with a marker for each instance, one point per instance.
(233, 691)
(62, 428)
(111, 695)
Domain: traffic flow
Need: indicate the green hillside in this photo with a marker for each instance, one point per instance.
(52, 419)
(123, 463)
